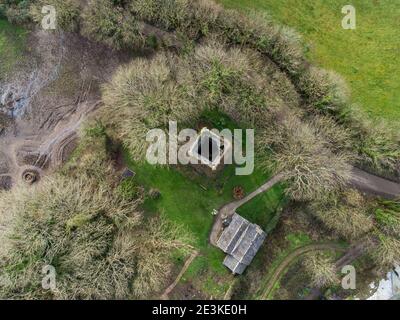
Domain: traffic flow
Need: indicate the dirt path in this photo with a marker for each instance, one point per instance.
(290, 258)
(186, 266)
(375, 185)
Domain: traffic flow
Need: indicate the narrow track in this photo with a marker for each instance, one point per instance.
(292, 257)
(186, 266)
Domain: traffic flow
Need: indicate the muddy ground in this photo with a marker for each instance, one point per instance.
(53, 89)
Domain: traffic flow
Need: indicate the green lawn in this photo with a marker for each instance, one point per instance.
(12, 44)
(368, 57)
(188, 199)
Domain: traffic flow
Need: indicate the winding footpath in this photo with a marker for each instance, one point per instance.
(294, 255)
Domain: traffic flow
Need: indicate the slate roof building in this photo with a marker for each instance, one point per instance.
(240, 240)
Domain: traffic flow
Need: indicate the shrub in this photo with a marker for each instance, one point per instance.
(111, 24)
(168, 14)
(228, 81)
(189, 18)
(326, 92)
(91, 158)
(347, 214)
(69, 224)
(128, 189)
(16, 11)
(92, 232)
(321, 268)
(385, 251)
(301, 155)
(337, 137)
(157, 240)
(387, 214)
(145, 95)
(378, 148)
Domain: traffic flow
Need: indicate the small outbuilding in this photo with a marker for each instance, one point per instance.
(240, 240)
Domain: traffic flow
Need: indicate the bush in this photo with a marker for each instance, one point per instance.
(70, 224)
(326, 92)
(145, 95)
(157, 240)
(337, 137)
(385, 251)
(321, 268)
(298, 152)
(91, 158)
(228, 80)
(68, 13)
(387, 214)
(109, 23)
(168, 14)
(191, 19)
(16, 11)
(378, 148)
(128, 189)
(347, 215)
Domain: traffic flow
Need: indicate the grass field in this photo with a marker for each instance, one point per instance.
(12, 40)
(368, 57)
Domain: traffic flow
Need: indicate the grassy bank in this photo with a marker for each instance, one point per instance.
(12, 40)
(367, 57)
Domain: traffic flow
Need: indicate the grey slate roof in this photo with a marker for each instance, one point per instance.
(241, 241)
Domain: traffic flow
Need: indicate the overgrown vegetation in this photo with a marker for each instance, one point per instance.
(246, 68)
(120, 24)
(321, 267)
(16, 11)
(147, 94)
(386, 249)
(357, 218)
(97, 239)
(349, 215)
(109, 22)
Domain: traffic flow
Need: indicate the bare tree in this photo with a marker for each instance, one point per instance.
(321, 268)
